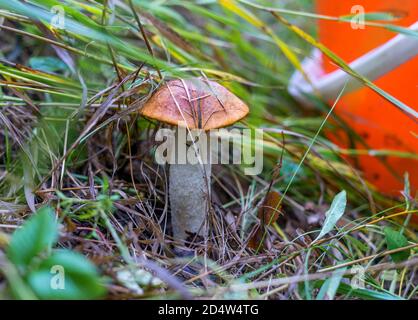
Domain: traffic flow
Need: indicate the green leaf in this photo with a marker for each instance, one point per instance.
(372, 16)
(47, 64)
(401, 30)
(330, 287)
(357, 243)
(37, 235)
(360, 293)
(66, 275)
(334, 213)
(395, 240)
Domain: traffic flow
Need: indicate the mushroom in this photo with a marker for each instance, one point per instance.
(195, 104)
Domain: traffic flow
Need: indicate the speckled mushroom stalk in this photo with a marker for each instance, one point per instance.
(198, 104)
(189, 190)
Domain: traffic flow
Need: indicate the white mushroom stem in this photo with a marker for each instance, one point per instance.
(189, 192)
(372, 65)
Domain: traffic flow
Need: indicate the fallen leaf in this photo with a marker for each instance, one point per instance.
(268, 214)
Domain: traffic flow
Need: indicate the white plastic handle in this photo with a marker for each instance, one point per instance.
(372, 65)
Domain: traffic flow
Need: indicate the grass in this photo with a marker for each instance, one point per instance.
(72, 139)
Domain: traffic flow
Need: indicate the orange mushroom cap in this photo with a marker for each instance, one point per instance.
(196, 103)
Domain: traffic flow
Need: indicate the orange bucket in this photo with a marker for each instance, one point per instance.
(381, 125)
